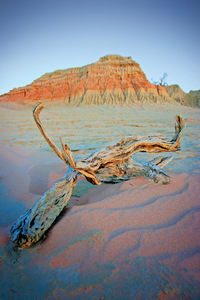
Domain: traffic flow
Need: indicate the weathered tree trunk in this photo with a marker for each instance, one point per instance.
(110, 164)
(126, 170)
(31, 226)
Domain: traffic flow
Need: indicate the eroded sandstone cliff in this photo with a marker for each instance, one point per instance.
(175, 92)
(189, 99)
(192, 98)
(112, 80)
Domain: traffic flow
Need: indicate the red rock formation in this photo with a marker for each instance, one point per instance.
(114, 79)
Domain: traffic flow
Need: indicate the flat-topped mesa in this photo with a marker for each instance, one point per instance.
(113, 80)
(118, 61)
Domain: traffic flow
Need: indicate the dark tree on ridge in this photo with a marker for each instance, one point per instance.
(162, 80)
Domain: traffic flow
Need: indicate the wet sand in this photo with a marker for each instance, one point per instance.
(131, 240)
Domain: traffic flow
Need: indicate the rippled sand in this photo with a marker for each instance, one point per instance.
(132, 240)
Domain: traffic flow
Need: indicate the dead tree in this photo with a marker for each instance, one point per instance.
(110, 164)
(162, 79)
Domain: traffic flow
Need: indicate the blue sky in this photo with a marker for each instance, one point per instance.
(39, 36)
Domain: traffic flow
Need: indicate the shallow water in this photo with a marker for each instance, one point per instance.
(87, 129)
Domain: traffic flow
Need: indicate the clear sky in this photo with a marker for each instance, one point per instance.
(39, 36)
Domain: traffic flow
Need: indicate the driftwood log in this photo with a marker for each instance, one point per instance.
(110, 164)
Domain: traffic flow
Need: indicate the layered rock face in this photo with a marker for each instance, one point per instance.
(175, 92)
(189, 99)
(192, 98)
(114, 80)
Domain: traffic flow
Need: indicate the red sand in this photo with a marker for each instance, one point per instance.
(111, 224)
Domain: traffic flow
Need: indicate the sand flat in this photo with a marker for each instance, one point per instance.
(131, 240)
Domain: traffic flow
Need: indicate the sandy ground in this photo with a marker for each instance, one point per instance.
(132, 240)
